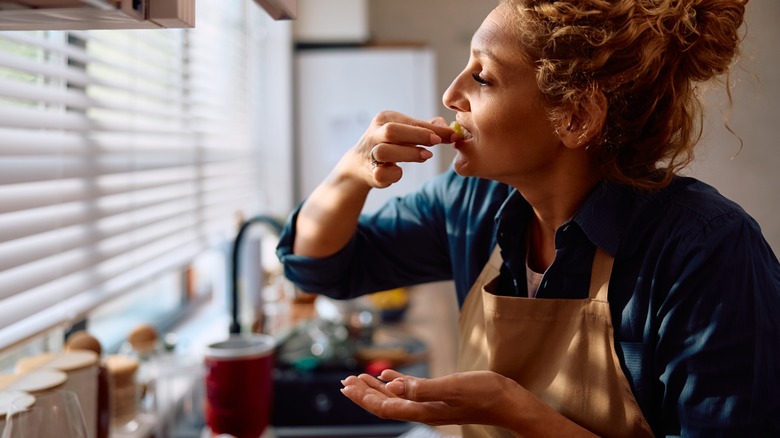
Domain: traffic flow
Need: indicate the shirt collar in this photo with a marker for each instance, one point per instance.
(601, 217)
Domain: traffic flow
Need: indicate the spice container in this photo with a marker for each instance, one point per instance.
(81, 369)
(122, 371)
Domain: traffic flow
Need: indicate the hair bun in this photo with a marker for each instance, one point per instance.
(706, 33)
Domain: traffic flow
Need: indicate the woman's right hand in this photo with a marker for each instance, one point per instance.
(392, 138)
(329, 216)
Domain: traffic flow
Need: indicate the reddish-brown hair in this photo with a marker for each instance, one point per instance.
(647, 58)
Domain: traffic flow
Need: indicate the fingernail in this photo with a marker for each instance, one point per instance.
(435, 139)
(425, 154)
(343, 382)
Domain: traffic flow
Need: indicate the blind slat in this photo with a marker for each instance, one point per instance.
(21, 197)
(38, 221)
(84, 257)
(21, 319)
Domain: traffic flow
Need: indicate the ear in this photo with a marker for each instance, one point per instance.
(585, 121)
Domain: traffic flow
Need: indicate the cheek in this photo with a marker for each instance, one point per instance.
(502, 125)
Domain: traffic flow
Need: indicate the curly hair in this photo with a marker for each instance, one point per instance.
(647, 57)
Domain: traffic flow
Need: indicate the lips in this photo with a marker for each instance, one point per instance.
(467, 134)
(461, 133)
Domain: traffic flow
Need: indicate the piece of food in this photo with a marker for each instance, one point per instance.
(459, 131)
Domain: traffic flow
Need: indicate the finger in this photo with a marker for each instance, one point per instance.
(374, 383)
(386, 153)
(386, 117)
(358, 387)
(386, 174)
(366, 391)
(371, 401)
(423, 390)
(349, 380)
(390, 374)
(362, 392)
(395, 382)
(396, 120)
(408, 135)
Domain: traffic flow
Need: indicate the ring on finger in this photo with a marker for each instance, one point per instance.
(374, 161)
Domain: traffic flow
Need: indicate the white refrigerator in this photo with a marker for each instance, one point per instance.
(338, 93)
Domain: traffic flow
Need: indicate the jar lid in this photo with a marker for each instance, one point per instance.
(73, 360)
(32, 382)
(118, 364)
(30, 363)
(17, 399)
(242, 346)
(64, 361)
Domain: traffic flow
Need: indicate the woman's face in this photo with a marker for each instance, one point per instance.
(498, 102)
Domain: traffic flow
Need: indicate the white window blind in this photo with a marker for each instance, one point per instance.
(121, 154)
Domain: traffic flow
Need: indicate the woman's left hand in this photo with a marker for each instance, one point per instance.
(474, 397)
(471, 397)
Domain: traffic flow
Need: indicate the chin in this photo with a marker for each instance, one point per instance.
(462, 166)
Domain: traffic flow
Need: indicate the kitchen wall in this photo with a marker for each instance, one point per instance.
(748, 175)
(444, 25)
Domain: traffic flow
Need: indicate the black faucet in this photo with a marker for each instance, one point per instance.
(235, 326)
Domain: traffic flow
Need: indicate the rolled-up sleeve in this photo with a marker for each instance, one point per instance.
(316, 275)
(403, 243)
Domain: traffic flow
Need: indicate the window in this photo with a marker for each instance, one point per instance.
(124, 153)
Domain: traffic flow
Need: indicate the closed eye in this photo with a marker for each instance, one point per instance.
(479, 79)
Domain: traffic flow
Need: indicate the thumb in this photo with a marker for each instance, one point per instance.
(415, 389)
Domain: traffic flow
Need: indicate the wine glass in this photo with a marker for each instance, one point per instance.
(53, 414)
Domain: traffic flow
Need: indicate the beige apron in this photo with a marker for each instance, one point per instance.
(561, 350)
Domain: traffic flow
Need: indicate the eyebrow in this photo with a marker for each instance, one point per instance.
(488, 54)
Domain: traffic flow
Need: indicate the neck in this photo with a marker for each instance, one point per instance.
(553, 204)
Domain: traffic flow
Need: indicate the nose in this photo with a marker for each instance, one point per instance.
(454, 98)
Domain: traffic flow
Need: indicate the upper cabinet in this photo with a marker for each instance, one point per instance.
(96, 14)
(114, 14)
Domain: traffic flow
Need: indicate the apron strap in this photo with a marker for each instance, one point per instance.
(599, 277)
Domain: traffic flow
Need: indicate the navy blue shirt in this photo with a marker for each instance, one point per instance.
(694, 292)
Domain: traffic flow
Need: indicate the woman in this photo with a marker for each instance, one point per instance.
(601, 294)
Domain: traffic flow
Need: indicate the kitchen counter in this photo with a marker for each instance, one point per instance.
(431, 318)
